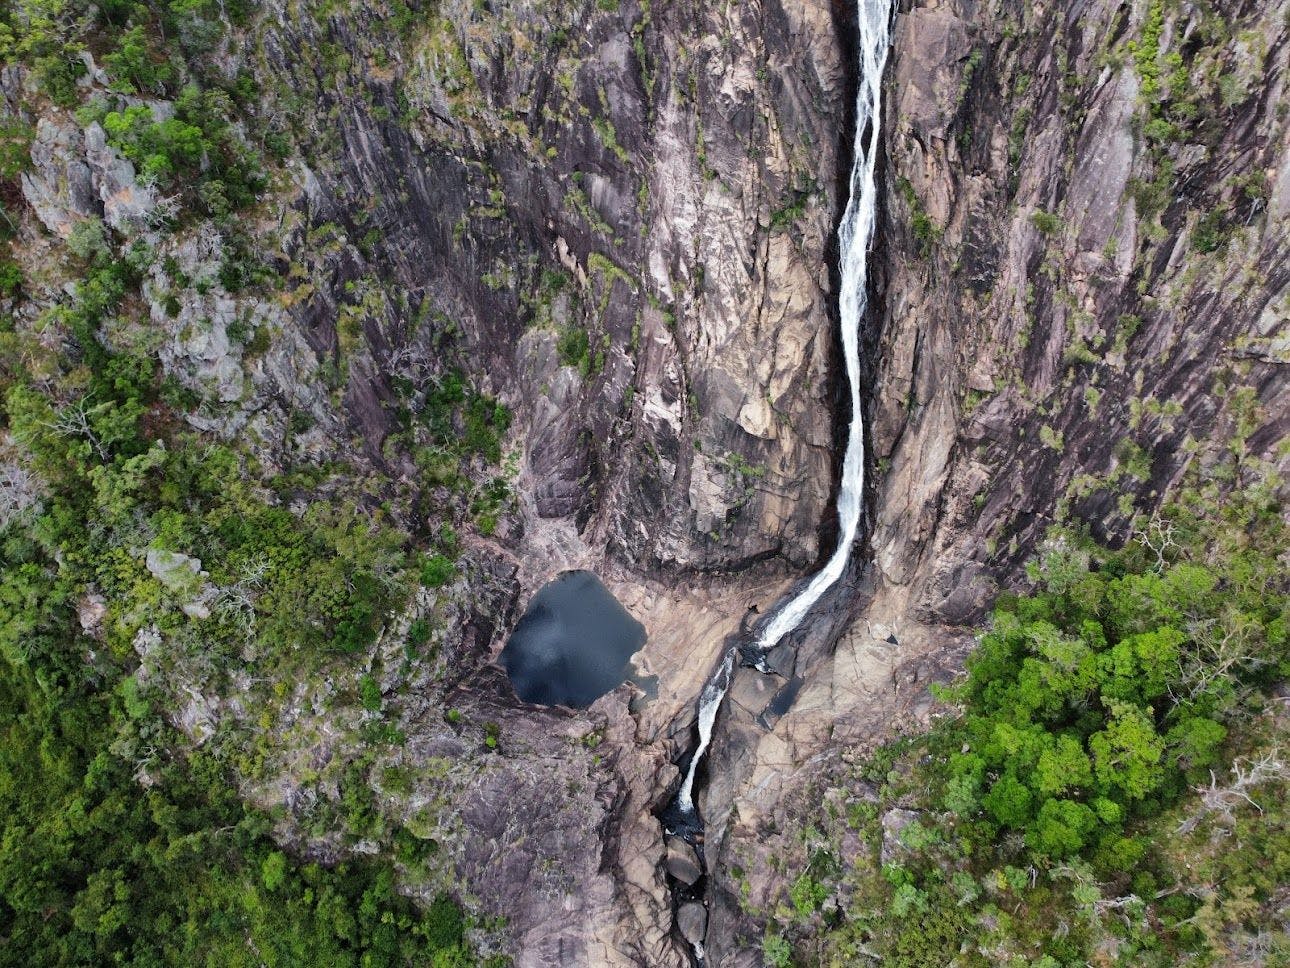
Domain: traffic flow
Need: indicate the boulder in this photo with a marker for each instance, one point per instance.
(893, 822)
(683, 861)
(126, 203)
(59, 185)
(692, 921)
(91, 609)
(175, 570)
(183, 575)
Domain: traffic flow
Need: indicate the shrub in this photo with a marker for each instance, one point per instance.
(574, 347)
(807, 894)
(58, 75)
(1046, 222)
(443, 924)
(776, 951)
(136, 67)
(1210, 233)
(369, 691)
(15, 147)
(88, 241)
(437, 571)
(10, 278)
(273, 870)
(419, 632)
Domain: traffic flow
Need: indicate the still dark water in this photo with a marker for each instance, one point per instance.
(573, 645)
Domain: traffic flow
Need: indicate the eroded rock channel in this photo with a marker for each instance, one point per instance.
(683, 824)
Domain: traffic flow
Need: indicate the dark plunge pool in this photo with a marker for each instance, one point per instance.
(573, 645)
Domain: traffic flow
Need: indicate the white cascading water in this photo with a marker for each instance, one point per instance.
(854, 235)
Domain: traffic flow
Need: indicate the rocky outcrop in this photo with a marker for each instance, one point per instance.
(75, 176)
(181, 575)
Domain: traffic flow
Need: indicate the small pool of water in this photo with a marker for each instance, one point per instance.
(573, 644)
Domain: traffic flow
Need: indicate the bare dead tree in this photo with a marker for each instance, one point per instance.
(73, 420)
(163, 212)
(1107, 905)
(1246, 775)
(237, 601)
(1216, 651)
(415, 366)
(1156, 534)
(19, 493)
(1253, 950)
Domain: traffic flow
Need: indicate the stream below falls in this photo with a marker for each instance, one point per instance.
(682, 823)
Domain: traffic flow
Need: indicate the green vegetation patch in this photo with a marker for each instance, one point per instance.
(1114, 730)
(123, 840)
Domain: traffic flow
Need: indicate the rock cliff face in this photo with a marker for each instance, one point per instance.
(620, 212)
(1084, 290)
(1106, 268)
(617, 219)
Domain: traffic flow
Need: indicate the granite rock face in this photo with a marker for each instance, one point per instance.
(617, 219)
(634, 175)
(1083, 292)
(1109, 265)
(75, 175)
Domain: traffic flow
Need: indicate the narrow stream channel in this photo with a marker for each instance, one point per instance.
(855, 233)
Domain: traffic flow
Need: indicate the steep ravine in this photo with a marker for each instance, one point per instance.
(683, 825)
(1073, 309)
(617, 220)
(681, 462)
(478, 188)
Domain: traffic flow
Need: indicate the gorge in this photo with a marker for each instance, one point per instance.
(841, 341)
(855, 233)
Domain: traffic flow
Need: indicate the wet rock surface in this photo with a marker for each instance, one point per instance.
(692, 922)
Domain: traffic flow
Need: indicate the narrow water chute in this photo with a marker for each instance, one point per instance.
(855, 234)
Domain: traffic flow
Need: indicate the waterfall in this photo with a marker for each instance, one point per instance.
(709, 702)
(854, 235)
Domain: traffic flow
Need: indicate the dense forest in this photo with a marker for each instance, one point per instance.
(122, 842)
